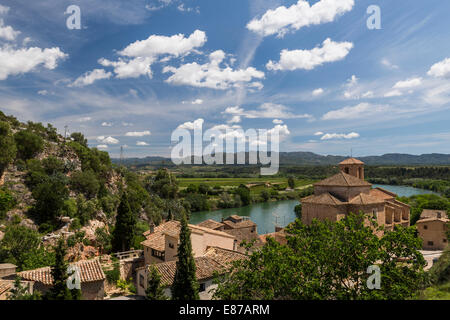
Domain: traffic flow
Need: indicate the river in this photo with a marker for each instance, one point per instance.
(268, 214)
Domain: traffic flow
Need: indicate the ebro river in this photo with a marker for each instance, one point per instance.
(269, 214)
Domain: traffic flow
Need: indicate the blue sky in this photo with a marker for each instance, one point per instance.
(138, 69)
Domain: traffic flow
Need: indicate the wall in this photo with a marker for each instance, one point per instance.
(434, 232)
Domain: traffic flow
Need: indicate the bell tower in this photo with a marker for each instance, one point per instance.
(353, 167)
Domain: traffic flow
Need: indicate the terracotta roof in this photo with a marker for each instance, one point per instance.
(205, 268)
(210, 224)
(224, 256)
(157, 241)
(324, 198)
(344, 180)
(90, 271)
(240, 224)
(428, 213)
(351, 161)
(364, 199)
(433, 219)
(382, 194)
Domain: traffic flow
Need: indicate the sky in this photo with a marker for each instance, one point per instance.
(137, 70)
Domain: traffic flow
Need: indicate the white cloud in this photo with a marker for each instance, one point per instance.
(393, 93)
(282, 19)
(362, 110)
(156, 45)
(107, 140)
(107, 124)
(43, 92)
(85, 119)
(138, 134)
(385, 62)
(197, 101)
(130, 68)
(409, 83)
(14, 62)
(141, 143)
(353, 81)
(277, 121)
(235, 119)
(3, 9)
(368, 94)
(7, 32)
(266, 110)
(330, 136)
(90, 77)
(317, 92)
(309, 59)
(211, 75)
(440, 69)
(319, 133)
(197, 124)
(102, 146)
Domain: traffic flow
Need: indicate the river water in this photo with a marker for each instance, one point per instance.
(267, 215)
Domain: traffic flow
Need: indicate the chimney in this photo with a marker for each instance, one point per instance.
(152, 227)
(439, 215)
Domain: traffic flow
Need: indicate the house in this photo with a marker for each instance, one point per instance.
(279, 236)
(348, 192)
(215, 259)
(7, 269)
(241, 228)
(433, 226)
(161, 244)
(92, 279)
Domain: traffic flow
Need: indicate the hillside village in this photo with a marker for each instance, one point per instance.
(119, 229)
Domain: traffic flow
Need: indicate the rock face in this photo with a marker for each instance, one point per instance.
(91, 227)
(2, 234)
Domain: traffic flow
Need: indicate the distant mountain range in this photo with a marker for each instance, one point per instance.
(309, 158)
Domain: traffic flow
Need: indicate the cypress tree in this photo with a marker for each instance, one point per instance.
(154, 290)
(185, 285)
(124, 230)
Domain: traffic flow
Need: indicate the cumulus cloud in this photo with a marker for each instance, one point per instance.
(330, 136)
(141, 143)
(90, 77)
(43, 92)
(409, 83)
(211, 75)
(282, 20)
(19, 61)
(156, 45)
(362, 110)
(130, 68)
(385, 62)
(196, 101)
(393, 93)
(317, 92)
(309, 59)
(266, 110)
(277, 121)
(319, 133)
(107, 140)
(440, 69)
(102, 146)
(7, 32)
(107, 124)
(197, 124)
(138, 133)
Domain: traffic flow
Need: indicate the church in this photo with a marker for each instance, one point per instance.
(348, 192)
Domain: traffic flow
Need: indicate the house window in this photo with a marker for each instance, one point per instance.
(375, 213)
(171, 246)
(141, 280)
(158, 254)
(430, 243)
(425, 227)
(444, 240)
(202, 287)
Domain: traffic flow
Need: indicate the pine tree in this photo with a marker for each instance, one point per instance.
(124, 230)
(154, 289)
(185, 285)
(59, 290)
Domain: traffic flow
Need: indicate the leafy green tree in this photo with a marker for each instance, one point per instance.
(19, 292)
(154, 289)
(7, 202)
(125, 227)
(244, 193)
(291, 182)
(7, 146)
(85, 182)
(203, 188)
(329, 260)
(298, 211)
(59, 289)
(79, 137)
(265, 195)
(164, 184)
(17, 243)
(28, 144)
(185, 285)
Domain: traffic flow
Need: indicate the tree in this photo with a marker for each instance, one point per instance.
(164, 184)
(124, 230)
(291, 182)
(17, 243)
(265, 195)
(244, 193)
(28, 144)
(185, 285)
(85, 182)
(79, 137)
(154, 289)
(19, 292)
(7, 146)
(329, 260)
(298, 211)
(60, 290)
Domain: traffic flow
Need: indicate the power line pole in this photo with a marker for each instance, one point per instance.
(121, 155)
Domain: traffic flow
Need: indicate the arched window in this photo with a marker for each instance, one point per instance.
(346, 170)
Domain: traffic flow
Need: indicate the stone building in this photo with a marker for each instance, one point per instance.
(433, 226)
(213, 260)
(348, 192)
(161, 244)
(92, 279)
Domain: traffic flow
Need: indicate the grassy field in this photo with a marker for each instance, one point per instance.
(235, 182)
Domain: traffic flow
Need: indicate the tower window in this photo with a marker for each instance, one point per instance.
(347, 171)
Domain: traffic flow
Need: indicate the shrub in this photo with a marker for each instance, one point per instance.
(28, 144)
(85, 182)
